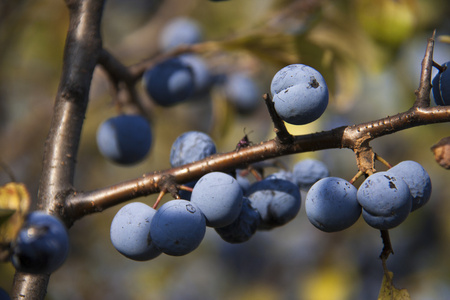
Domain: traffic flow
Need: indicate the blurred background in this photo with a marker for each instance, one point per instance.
(369, 53)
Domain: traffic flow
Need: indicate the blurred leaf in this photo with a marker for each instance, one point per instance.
(14, 205)
(387, 21)
(330, 282)
(275, 48)
(222, 114)
(444, 39)
(389, 292)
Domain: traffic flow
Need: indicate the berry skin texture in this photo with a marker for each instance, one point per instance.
(219, 197)
(417, 179)
(191, 146)
(386, 198)
(441, 86)
(130, 232)
(308, 171)
(331, 204)
(278, 201)
(125, 139)
(42, 244)
(300, 94)
(178, 227)
(244, 227)
(169, 82)
(180, 31)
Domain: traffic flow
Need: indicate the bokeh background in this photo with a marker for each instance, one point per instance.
(369, 53)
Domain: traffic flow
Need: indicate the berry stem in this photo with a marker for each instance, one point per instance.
(255, 173)
(158, 200)
(439, 67)
(359, 174)
(387, 246)
(383, 161)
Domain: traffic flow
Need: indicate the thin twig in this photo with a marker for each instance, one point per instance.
(387, 246)
(280, 129)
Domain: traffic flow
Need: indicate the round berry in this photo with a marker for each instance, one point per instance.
(42, 244)
(278, 201)
(308, 171)
(178, 227)
(331, 204)
(180, 31)
(244, 227)
(385, 195)
(242, 92)
(169, 82)
(219, 197)
(191, 146)
(202, 76)
(125, 139)
(417, 179)
(300, 94)
(441, 86)
(130, 232)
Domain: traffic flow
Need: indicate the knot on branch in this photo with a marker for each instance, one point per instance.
(167, 183)
(365, 157)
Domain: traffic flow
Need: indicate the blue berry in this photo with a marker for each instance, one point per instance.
(282, 174)
(331, 204)
(384, 195)
(242, 92)
(130, 232)
(4, 295)
(191, 146)
(178, 227)
(243, 181)
(42, 244)
(417, 179)
(169, 82)
(219, 197)
(382, 222)
(308, 171)
(278, 201)
(202, 76)
(441, 86)
(180, 31)
(244, 227)
(125, 139)
(300, 94)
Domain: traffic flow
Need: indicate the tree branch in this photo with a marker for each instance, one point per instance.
(81, 52)
(80, 204)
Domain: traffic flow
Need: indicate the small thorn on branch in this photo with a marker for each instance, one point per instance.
(158, 200)
(280, 129)
(423, 93)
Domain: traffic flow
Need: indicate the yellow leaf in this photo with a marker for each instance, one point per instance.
(389, 292)
(14, 205)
